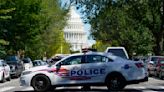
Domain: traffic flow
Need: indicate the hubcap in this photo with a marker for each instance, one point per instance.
(40, 83)
(114, 83)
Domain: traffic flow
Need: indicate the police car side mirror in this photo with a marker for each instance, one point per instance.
(58, 67)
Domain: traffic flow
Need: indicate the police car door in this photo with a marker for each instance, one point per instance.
(94, 68)
(68, 74)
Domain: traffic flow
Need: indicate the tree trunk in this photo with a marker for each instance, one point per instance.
(160, 36)
(162, 27)
(159, 44)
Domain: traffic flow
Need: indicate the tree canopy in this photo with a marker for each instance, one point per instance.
(32, 26)
(135, 24)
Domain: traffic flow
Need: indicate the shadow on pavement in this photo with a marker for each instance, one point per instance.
(92, 90)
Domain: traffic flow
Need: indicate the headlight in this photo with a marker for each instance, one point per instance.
(26, 72)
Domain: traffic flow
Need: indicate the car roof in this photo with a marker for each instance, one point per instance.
(91, 53)
(38, 60)
(110, 55)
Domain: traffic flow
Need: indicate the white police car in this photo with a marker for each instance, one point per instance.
(85, 70)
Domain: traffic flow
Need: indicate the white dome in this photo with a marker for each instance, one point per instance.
(74, 16)
(74, 32)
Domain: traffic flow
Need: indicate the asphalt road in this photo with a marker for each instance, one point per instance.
(153, 85)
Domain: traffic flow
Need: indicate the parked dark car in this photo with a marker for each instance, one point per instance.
(16, 65)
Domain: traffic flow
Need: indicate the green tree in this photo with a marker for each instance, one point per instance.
(31, 21)
(3, 17)
(101, 46)
(136, 25)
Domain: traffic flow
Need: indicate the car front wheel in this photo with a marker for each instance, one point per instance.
(9, 78)
(41, 83)
(3, 78)
(115, 82)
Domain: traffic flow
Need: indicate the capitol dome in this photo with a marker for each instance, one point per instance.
(74, 31)
(74, 16)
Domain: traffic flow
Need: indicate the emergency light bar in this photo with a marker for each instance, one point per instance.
(84, 50)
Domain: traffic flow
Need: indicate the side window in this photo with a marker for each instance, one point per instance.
(93, 58)
(97, 58)
(72, 60)
(105, 59)
(110, 60)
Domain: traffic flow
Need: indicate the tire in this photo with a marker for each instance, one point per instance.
(155, 73)
(115, 82)
(149, 74)
(3, 79)
(9, 78)
(41, 83)
(160, 75)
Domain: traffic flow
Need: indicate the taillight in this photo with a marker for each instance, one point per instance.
(139, 65)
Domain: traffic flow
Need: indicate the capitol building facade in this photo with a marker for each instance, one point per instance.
(74, 31)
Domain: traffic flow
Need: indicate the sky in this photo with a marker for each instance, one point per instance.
(87, 28)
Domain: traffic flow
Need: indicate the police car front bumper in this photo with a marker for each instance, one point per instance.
(25, 80)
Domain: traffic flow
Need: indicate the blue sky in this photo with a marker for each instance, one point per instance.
(87, 28)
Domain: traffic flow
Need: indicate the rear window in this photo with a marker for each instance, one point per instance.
(154, 58)
(26, 60)
(162, 61)
(12, 58)
(118, 52)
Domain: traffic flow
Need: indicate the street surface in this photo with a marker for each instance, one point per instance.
(153, 85)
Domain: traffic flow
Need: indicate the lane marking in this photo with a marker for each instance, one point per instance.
(161, 87)
(27, 89)
(139, 87)
(6, 88)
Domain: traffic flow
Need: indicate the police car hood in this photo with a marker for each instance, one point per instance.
(39, 68)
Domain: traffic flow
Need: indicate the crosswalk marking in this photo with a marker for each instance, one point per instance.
(6, 89)
(161, 87)
(27, 89)
(139, 87)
